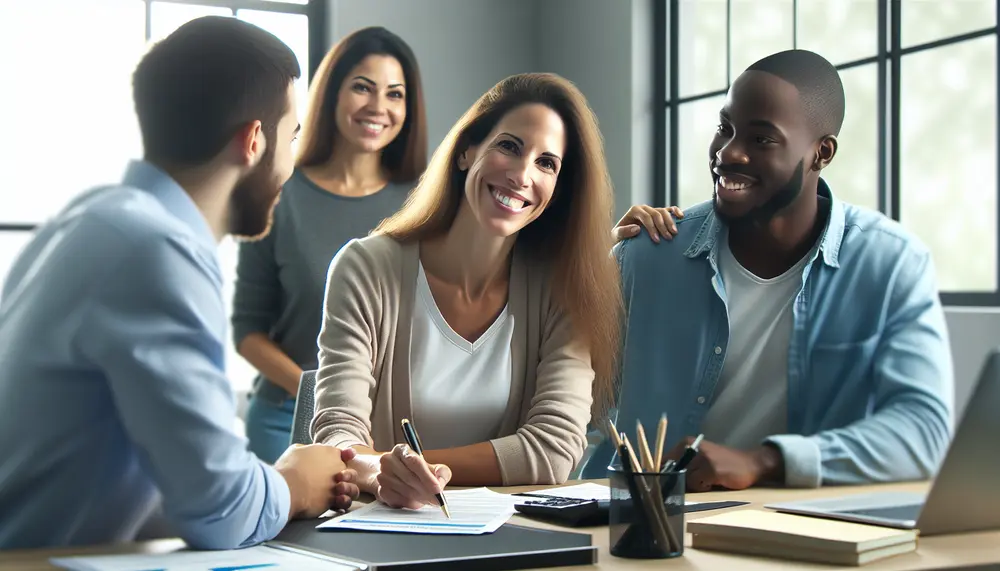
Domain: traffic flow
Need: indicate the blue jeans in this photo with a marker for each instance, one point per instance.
(269, 421)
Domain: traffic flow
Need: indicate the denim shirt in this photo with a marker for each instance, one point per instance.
(870, 379)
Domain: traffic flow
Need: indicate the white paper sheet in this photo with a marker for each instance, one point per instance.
(260, 557)
(473, 512)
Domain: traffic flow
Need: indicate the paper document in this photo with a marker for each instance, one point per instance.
(473, 512)
(587, 491)
(261, 557)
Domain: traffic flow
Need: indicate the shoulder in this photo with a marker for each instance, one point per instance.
(872, 236)
(369, 258)
(640, 252)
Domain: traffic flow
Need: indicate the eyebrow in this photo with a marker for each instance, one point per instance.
(297, 129)
(371, 81)
(753, 122)
(520, 141)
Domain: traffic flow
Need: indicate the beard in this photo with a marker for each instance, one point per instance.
(761, 215)
(251, 205)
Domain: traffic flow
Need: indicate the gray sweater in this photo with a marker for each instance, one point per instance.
(281, 279)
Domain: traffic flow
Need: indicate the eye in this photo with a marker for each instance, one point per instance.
(361, 88)
(548, 164)
(396, 94)
(507, 145)
(763, 140)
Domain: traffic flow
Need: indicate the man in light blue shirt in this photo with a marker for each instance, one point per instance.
(115, 406)
(802, 336)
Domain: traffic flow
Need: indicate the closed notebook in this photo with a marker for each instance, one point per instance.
(757, 532)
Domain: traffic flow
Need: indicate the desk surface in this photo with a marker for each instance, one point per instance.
(941, 552)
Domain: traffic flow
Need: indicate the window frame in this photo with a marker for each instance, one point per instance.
(316, 12)
(666, 70)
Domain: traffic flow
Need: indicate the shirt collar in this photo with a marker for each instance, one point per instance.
(833, 235)
(150, 178)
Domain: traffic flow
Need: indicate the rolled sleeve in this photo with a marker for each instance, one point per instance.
(157, 330)
(802, 459)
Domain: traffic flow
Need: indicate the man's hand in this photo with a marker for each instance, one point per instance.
(716, 465)
(318, 479)
(657, 222)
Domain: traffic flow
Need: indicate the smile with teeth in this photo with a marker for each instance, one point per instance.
(515, 204)
(732, 184)
(372, 127)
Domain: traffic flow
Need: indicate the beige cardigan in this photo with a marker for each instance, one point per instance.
(363, 380)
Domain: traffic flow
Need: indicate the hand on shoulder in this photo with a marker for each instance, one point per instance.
(658, 222)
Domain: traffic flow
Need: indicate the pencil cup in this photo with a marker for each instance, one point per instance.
(647, 514)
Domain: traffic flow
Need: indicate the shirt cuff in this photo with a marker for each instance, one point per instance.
(803, 467)
(277, 505)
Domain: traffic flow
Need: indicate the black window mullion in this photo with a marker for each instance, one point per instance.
(674, 38)
(893, 127)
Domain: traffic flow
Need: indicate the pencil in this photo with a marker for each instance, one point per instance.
(644, 453)
(661, 437)
(413, 441)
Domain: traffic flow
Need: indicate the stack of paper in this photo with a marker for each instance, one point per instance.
(473, 512)
(757, 532)
(260, 557)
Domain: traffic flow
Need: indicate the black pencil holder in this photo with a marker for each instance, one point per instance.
(647, 514)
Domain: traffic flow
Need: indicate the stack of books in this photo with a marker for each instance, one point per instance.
(787, 536)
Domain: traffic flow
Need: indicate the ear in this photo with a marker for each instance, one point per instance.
(251, 143)
(465, 158)
(825, 152)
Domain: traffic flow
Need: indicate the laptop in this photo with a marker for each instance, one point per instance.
(965, 494)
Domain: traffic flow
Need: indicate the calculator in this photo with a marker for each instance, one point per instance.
(567, 511)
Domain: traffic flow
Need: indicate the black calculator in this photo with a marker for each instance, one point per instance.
(567, 511)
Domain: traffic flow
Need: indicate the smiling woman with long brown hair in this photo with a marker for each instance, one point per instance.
(486, 310)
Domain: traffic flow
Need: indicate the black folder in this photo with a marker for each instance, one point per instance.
(510, 547)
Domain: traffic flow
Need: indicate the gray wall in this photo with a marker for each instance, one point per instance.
(604, 46)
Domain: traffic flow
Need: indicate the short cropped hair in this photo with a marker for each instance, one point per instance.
(196, 88)
(820, 88)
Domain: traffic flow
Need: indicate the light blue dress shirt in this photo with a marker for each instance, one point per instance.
(112, 385)
(870, 380)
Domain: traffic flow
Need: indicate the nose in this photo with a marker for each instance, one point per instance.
(731, 153)
(517, 175)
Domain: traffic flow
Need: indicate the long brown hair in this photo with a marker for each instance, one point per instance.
(573, 234)
(406, 156)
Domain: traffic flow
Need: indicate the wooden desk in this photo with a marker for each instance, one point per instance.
(964, 551)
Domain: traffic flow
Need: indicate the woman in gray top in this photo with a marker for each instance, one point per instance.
(363, 146)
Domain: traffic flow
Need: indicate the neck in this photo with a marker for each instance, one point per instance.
(467, 256)
(210, 188)
(350, 172)
(770, 249)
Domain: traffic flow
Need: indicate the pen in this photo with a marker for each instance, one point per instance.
(413, 441)
(688, 454)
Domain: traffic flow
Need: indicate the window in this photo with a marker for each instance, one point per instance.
(919, 140)
(94, 63)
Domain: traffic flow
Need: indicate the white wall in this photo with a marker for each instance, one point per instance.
(974, 332)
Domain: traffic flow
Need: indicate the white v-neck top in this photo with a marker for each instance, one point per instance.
(459, 389)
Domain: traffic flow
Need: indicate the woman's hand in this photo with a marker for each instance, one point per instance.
(406, 480)
(657, 222)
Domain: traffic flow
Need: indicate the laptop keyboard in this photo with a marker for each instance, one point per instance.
(901, 513)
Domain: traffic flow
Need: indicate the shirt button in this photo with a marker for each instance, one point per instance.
(718, 350)
(701, 400)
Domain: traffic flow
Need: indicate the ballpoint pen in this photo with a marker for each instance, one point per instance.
(688, 454)
(413, 441)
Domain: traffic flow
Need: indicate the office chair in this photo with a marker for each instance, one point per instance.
(305, 405)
